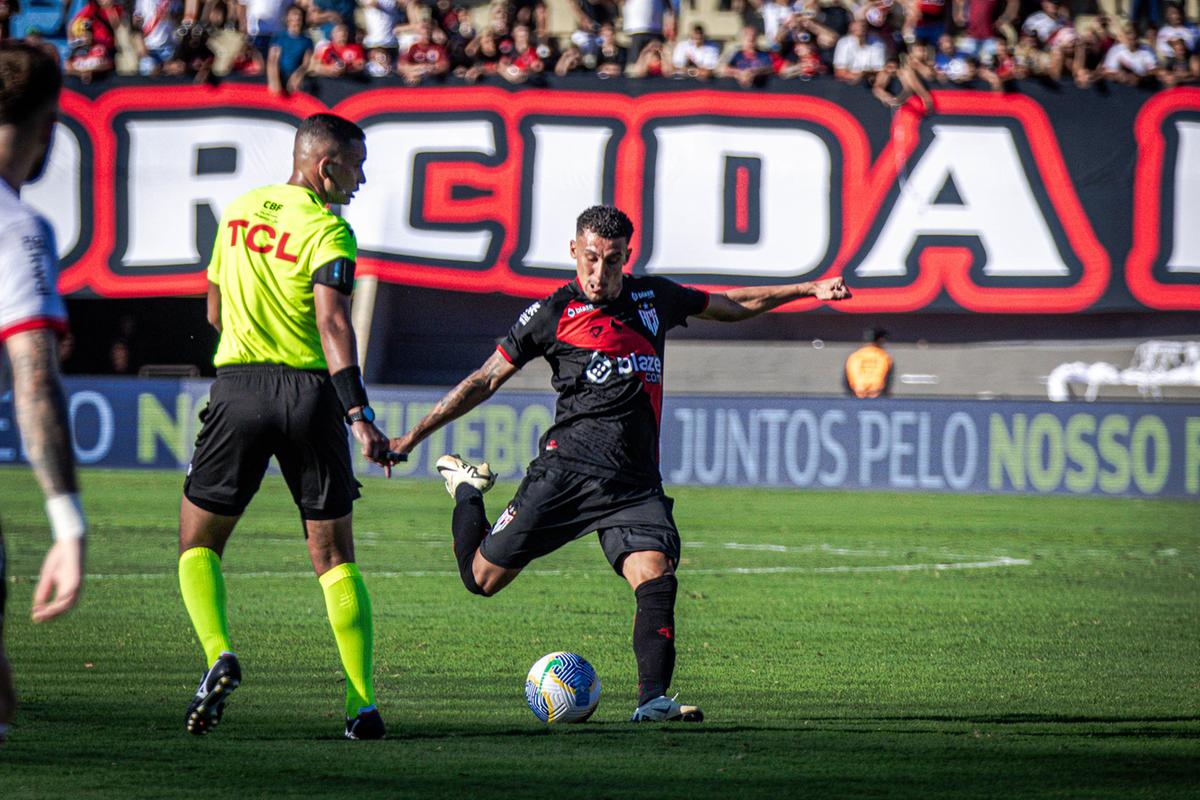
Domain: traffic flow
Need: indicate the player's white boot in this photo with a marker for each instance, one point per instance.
(456, 472)
(665, 709)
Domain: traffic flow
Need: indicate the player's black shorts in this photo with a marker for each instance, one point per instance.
(554, 506)
(256, 411)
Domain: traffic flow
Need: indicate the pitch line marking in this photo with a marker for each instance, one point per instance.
(995, 563)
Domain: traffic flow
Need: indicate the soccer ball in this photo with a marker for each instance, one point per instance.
(562, 687)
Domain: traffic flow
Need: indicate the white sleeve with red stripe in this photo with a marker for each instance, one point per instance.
(29, 298)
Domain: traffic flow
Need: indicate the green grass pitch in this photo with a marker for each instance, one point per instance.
(841, 644)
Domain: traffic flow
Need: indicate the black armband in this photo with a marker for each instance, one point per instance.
(349, 387)
(337, 274)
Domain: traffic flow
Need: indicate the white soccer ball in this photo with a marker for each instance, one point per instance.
(562, 687)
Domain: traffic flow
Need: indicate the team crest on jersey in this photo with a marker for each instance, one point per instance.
(649, 315)
(599, 369)
(502, 521)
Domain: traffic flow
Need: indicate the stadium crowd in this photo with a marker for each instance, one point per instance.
(897, 48)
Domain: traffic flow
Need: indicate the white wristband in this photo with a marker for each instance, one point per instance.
(66, 517)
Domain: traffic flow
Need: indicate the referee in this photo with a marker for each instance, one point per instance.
(287, 385)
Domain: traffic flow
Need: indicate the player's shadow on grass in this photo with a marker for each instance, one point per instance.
(1012, 719)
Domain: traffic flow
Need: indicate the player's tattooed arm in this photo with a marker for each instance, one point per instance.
(470, 392)
(41, 410)
(750, 301)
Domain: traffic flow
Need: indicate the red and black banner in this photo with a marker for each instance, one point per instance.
(1052, 201)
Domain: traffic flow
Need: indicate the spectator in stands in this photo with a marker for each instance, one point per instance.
(1095, 40)
(8, 11)
(806, 25)
(382, 20)
(1150, 10)
(1174, 29)
(88, 59)
(152, 32)
(523, 63)
(1002, 70)
(982, 21)
(379, 63)
(920, 62)
(924, 20)
(571, 62)
(887, 87)
(652, 63)
(645, 21)
(1031, 60)
(325, 14)
(611, 58)
(950, 65)
(748, 65)
(290, 55)
(881, 27)
(802, 62)
(532, 13)
(1129, 61)
(484, 54)
(696, 57)
(425, 59)
(339, 56)
(869, 369)
(104, 18)
(246, 60)
(591, 14)
(1045, 24)
(856, 57)
(193, 57)
(1180, 67)
(262, 20)
(228, 44)
(774, 14)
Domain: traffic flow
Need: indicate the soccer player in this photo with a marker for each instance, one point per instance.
(31, 316)
(603, 335)
(287, 384)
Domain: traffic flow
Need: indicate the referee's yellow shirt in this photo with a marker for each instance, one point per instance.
(268, 245)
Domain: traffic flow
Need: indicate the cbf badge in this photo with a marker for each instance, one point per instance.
(649, 315)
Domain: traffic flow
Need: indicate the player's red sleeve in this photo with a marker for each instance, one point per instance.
(56, 324)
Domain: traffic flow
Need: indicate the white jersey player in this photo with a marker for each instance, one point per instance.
(31, 316)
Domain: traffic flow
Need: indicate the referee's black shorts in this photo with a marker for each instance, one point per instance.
(256, 411)
(554, 506)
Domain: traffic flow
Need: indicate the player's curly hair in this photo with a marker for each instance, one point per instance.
(30, 80)
(609, 222)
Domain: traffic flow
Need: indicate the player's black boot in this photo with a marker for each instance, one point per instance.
(367, 725)
(204, 712)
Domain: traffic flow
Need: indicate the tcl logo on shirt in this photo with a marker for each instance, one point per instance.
(260, 238)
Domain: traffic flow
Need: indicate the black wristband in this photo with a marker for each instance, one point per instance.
(349, 387)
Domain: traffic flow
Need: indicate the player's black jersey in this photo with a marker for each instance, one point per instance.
(607, 361)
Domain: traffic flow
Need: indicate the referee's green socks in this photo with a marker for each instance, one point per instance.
(349, 609)
(203, 588)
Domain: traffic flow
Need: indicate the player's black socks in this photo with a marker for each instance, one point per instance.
(469, 526)
(654, 636)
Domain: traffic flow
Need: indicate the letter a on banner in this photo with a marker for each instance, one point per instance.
(995, 207)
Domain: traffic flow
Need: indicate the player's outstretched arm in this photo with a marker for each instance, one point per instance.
(473, 390)
(41, 411)
(341, 353)
(750, 301)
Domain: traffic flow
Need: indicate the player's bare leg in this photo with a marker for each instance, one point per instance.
(202, 539)
(331, 549)
(651, 575)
